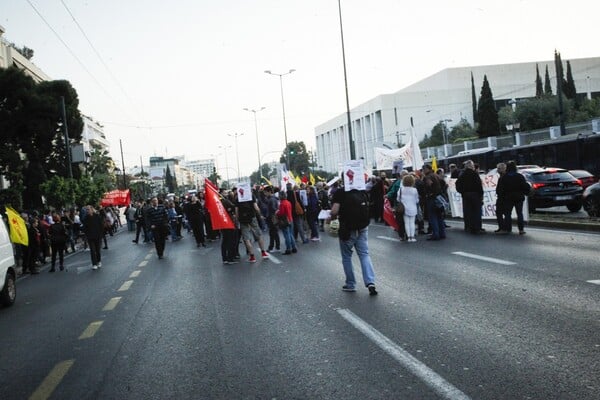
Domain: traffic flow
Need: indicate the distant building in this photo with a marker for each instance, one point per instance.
(10, 56)
(444, 96)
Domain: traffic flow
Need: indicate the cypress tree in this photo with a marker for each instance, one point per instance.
(569, 87)
(487, 115)
(539, 89)
(473, 99)
(547, 85)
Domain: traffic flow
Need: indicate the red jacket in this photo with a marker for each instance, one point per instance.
(285, 208)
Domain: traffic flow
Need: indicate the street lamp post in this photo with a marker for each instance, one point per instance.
(257, 145)
(237, 155)
(352, 150)
(226, 163)
(66, 132)
(287, 152)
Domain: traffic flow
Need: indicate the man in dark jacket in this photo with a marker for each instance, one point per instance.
(433, 188)
(158, 219)
(469, 186)
(93, 226)
(512, 187)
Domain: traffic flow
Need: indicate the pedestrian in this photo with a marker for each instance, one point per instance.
(409, 197)
(130, 215)
(500, 201)
(159, 225)
(470, 187)
(297, 212)
(312, 213)
(272, 207)
(433, 188)
(195, 217)
(58, 241)
(285, 222)
(32, 251)
(246, 213)
(93, 226)
(229, 238)
(513, 187)
(352, 208)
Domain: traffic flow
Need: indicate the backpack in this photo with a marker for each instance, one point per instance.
(355, 210)
(246, 211)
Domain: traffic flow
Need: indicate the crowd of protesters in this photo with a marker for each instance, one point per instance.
(53, 233)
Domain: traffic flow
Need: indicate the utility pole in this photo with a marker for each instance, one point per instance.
(123, 165)
(66, 132)
(352, 151)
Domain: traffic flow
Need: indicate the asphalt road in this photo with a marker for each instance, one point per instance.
(480, 317)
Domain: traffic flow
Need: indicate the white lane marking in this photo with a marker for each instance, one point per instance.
(483, 258)
(388, 238)
(125, 286)
(44, 391)
(143, 264)
(271, 258)
(112, 303)
(135, 274)
(595, 281)
(416, 367)
(149, 255)
(91, 330)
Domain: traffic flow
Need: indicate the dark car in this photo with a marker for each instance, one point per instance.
(591, 200)
(553, 187)
(584, 177)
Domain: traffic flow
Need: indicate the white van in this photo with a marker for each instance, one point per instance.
(8, 273)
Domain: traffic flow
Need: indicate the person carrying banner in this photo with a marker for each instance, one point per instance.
(247, 211)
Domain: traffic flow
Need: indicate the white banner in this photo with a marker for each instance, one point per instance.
(354, 175)
(409, 154)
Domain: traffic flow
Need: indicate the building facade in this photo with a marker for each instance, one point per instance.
(385, 120)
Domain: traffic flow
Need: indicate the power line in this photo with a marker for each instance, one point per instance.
(114, 78)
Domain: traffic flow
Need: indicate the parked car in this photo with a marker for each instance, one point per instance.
(591, 200)
(551, 187)
(585, 177)
(8, 273)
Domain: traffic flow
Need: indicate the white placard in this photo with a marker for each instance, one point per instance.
(354, 175)
(244, 192)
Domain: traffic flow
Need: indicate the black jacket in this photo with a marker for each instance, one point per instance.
(469, 182)
(512, 186)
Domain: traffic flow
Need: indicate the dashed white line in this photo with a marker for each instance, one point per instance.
(125, 286)
(388, 238)
(594, 281)
(483, 258)
(416, 367)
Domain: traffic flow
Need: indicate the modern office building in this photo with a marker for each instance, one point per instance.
(385, 120)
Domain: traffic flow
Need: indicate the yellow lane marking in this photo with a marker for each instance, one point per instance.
(125, 286)
(44, 391)
(112, 303)
(135, 274)
(91, 330)
(143, 264)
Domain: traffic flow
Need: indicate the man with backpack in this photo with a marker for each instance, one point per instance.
(352, 208)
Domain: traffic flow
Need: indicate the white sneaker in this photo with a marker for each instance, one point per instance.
(94, 267)
(99, 265)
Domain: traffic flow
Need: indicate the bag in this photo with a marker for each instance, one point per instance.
(399, 210)
(334, 226)
(282, 221)
(298, 206)
(355, 210)
(441, 203)
(246, 212)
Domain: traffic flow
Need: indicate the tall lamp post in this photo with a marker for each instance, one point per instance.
(257, 145)
(66, 132)
(226, 163)
(287, 152)
(352, 151)
(237, 155)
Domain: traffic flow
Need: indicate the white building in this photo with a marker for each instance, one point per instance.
(444, 96)
(202, 168)
(9, 56)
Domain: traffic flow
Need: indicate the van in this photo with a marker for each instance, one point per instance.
(8, 272)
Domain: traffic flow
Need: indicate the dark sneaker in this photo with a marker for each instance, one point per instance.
(287, 253)
(347, 288)
(294, 250)
(232, 262)
(372, 290)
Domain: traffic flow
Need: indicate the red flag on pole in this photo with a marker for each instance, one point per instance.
(218, 215)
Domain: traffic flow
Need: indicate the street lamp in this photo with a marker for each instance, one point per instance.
(287, 153)
(237, 155)
(226, 163)
(257, 146)
(352, 150)
(66, 132)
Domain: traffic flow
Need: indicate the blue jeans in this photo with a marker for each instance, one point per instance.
(288, 235)
(436, 222)
(359, 241)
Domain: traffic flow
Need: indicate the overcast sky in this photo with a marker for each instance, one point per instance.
(173, 77)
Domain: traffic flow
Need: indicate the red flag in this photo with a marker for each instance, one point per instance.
(212, 185)
(218, 215)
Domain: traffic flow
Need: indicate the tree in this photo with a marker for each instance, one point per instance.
(547, 84)
(569, 89)
(539, 88)
(487, 115)
(461, 131)
(299, 157)
(170, 181)
(473, 99)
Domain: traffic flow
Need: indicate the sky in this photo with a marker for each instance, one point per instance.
(172, 78)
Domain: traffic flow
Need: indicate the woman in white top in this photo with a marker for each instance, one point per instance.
(409, 197)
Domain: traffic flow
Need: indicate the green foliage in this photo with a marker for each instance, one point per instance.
(473, 99)
(299, 158)
(11, 197)
(170, 181)
(487, 115)
(539, 88)
(569, 89)
(547, 84)
(460, 131)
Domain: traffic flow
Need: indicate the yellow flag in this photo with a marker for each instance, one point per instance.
(298, 180)
(312, 179)
(18, 229)
(266, 180)
(434, 164)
